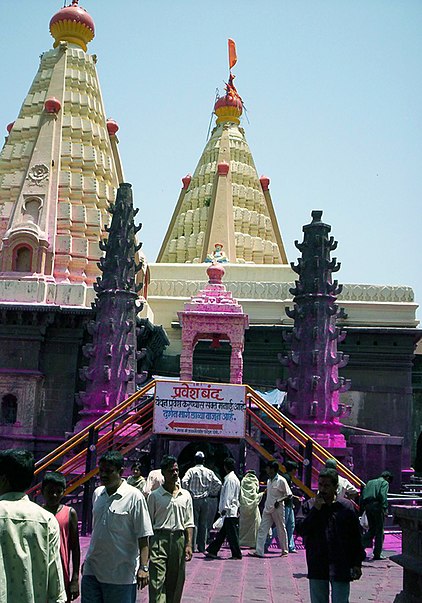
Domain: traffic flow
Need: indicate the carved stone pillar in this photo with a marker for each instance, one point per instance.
(236, 363)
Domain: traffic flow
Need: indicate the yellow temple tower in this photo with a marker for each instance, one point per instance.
(225, 203)
(59, 170)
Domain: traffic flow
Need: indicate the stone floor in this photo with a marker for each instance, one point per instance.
(278, 580)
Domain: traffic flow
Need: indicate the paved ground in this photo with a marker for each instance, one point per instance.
(278, 580)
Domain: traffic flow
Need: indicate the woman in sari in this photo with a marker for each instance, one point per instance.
(250, 516)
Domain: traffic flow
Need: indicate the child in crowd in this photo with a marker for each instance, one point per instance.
(136, 480)
(53, 488)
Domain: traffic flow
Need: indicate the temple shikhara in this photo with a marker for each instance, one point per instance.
(87, 324)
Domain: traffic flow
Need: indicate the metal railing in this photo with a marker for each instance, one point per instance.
(294, 441)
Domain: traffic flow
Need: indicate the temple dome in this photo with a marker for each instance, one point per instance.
(228, 108)
(72, 24)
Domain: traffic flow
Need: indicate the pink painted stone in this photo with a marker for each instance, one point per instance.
(265, 183)
(213, 315)
(223, 168)
(215, 273)
(186, 181)
(112, 127)
(52, 105)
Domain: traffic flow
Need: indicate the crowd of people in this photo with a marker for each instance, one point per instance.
(146, 529)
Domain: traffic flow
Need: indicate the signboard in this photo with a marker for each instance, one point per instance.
(199, 409)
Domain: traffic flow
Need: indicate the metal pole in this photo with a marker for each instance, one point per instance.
(91, 461)
(308, 463)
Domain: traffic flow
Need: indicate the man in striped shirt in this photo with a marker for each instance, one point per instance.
(201, 483)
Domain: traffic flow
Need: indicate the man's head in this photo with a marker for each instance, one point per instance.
(110, 469)
(229, 464)
(272, 468)
(291, 467)
(53, 487)
(170, 470)
(136, 469)
(16, 470)
(328, 484)
(388, 476)
(199, 458)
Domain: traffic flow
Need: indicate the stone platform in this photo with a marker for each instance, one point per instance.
(276, 580)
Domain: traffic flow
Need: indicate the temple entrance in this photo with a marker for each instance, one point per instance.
(212, 363)
(215, 453)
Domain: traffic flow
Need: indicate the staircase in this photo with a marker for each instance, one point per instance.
(129, 425)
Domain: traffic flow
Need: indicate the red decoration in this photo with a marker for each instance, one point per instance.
(265, 183)
(112, 127)
(10, 126)
(186, 181)
(223, 168)
(52, 105)
(215, 274)
(228, 101)
(74, 13)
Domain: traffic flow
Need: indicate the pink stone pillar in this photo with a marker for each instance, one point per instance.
(236, 363)
(186, 358)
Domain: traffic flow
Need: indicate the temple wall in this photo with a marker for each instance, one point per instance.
(39, 354)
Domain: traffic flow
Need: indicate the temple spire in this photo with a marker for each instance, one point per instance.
(59, 170)
(225, 201)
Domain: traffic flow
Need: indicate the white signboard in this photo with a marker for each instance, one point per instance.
(199, 409)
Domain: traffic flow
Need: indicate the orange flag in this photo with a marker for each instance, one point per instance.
(232, 53)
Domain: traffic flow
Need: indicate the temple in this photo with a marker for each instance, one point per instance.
(59, 174)
(225, 214)
(224, 305)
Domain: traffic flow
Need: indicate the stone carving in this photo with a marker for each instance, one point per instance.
(218, 255)
(314, 383)
(113, 353)
(37, 174)
(280, 291)
(213, 314)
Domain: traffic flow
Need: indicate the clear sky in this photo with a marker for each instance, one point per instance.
(333, 90)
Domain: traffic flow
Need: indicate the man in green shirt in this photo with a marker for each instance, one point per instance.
(30, 566)
(375, 503)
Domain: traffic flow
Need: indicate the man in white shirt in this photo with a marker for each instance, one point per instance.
(30, 566)
(201, 483)
(229, 509)
(117, 558)
(171, 512)
(277, 491)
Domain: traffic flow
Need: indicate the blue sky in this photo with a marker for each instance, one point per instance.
(333, 91)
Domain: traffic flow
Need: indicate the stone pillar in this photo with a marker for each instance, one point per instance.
(186, 358)
(410, 520)
(236, 363)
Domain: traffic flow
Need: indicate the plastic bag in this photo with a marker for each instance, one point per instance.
(363, 520)
(218, 523)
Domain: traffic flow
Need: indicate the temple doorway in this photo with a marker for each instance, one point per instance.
(215, 453)
(211, 361)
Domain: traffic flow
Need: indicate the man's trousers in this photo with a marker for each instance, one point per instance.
(230, 530)
(200, 518)
(167, 566)
(267, 520)
(375, 515)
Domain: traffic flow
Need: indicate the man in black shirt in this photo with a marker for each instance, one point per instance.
(331, 534)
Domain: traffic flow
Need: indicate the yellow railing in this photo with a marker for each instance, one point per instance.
(124, 427)
(293, 433)
(128, 424)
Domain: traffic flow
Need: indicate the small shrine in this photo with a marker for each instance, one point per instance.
(213, 315)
